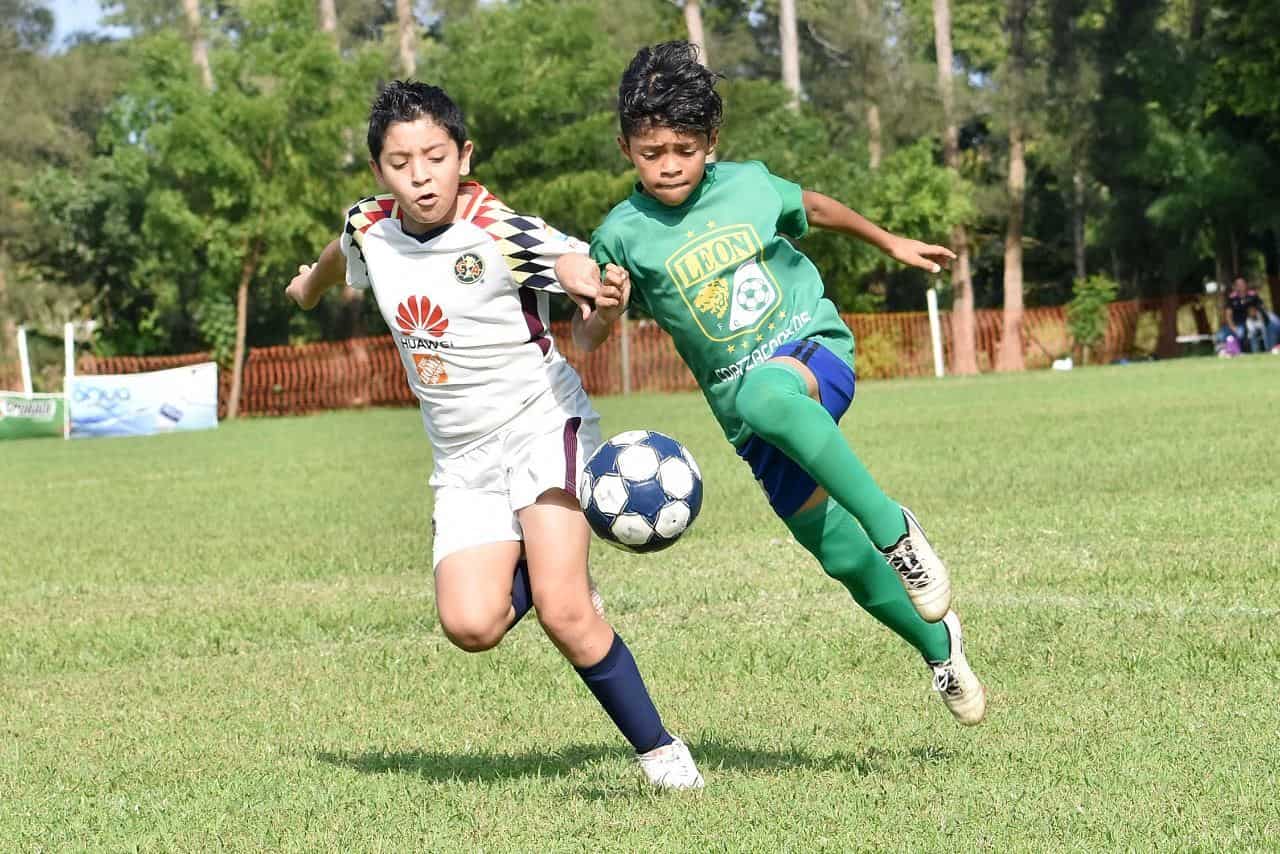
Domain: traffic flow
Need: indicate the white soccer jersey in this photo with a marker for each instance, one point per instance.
(467, 306)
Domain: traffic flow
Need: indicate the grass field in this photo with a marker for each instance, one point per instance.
(227, 641)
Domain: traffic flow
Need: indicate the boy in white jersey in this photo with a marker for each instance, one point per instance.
(462, 282)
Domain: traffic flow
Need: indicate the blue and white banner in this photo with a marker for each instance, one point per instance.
(142, 404)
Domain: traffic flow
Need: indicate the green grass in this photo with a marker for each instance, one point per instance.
(227, 641)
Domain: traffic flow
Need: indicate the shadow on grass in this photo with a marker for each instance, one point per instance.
(712, 755)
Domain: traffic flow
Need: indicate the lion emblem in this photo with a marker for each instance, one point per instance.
(714, 298)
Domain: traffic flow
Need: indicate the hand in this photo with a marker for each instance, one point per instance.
(580, 278)
(915, 253)
(615, 293)
(297, 289)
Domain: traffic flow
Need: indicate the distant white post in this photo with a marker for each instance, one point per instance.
(69, 343)
(935, 331)
(24, 359)
(624, 342)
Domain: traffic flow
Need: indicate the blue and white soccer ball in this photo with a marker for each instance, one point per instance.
(640, 491)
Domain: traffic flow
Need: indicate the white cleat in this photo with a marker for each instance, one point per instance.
(923, 574)
(671, 767)
(955, 681)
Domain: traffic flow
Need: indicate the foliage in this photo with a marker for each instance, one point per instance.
(130, 195)
(1087, 311)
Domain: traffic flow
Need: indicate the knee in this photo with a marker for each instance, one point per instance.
(471, 634)
(761, 396)
(568, 624)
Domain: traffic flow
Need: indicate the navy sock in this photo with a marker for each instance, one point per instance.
(521, 591)
(615, 680)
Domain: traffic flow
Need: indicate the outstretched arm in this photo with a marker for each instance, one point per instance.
(610, 302)
(825, 212)
(313, 280)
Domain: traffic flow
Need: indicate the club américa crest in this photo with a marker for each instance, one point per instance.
(468, 268)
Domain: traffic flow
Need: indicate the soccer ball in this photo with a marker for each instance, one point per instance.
(640, 491)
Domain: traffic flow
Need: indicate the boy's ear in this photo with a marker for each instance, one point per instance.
(712, 140)
(464, 158)
(623, 147)
(377, 173)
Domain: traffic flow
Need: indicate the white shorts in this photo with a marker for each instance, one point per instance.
(478, 491)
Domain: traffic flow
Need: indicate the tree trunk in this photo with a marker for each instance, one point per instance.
(1271, 256)
(408, 31)
(874, 144)
(247, 269)
(199, 46)
(1010, 357)
(964, 359)
(8, 326)
(1167, 343)
(875, 141)
(329, 18)
(1077, 225)
(693, 23)
(790, 50)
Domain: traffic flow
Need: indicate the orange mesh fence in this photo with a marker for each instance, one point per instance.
(368, 372)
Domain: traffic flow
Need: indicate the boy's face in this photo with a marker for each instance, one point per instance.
(669, 163)
(420, 165)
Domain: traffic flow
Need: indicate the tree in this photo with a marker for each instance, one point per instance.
(1009, 357)
(407, 31)
(203, 199)
(790, 50)
(199, 45)
(693, 22)
(328, 17)
(964, 359)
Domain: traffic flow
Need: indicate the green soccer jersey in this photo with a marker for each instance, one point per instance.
(718, 275)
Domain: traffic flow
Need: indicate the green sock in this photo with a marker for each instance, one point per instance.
(842, 547)
(774, 403)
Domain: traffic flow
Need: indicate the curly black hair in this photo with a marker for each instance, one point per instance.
(666, 86)
(407, 101)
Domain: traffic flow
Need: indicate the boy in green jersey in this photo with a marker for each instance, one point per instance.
(705, 246)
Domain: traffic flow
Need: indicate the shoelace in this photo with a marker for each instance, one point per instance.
(906, 563)
(944, 680)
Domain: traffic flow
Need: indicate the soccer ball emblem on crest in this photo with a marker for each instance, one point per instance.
(754, 294)
(468, 268)
(640, 491)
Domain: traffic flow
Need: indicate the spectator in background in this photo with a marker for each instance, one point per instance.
(1245, 316)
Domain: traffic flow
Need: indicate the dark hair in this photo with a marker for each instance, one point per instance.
(666, 86)
(407, 101)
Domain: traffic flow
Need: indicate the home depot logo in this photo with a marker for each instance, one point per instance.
(417, 315)
(430, 368)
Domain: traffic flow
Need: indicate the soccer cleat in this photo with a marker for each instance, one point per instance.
(923, 574)
(955, 681)
(670, 767)
(597, 601)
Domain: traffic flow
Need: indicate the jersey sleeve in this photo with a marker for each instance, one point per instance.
(360, 217)
(604, 251)
(529, 246)
(792, 220)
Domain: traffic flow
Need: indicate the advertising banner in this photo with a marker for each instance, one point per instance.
(25, 416)
(143, 404)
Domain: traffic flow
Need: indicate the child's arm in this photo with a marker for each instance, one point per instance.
(580, 278)
(825, 212)
(313, 280)
(611, 300)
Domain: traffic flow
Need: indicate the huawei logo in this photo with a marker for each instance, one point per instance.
(418, 315)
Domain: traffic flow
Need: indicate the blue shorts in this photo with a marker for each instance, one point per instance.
(786, 484)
